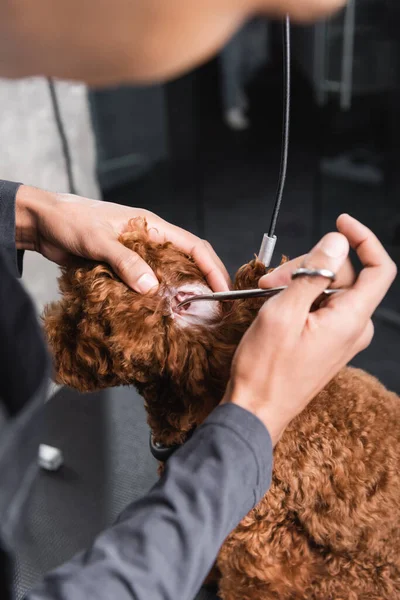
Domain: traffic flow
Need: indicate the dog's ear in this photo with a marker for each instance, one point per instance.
(81, 359)
(77, 331)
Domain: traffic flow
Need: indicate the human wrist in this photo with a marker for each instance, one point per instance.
(265, 410)
(30, 202)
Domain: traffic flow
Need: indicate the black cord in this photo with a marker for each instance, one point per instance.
(286, 124)
(63, 137)
(198, 161)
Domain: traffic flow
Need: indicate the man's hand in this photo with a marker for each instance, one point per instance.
(282, 275)
(58, 225)
(289, 354)
(116, 41)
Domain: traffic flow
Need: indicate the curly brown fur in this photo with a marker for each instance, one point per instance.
(104, 334)
(328, 527)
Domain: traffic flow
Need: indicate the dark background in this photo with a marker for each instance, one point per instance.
(166, 148)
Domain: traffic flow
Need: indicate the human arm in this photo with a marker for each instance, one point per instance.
(290, 352)
(163, 546)
(8, 191)
(24, 373)
(58, 225)
(114, 41)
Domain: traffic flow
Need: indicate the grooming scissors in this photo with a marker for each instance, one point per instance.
(264, 293)
(244, 294)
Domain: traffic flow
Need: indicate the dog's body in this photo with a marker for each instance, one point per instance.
(328, 529)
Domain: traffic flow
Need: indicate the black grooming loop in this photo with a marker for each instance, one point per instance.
(269, 239)
(163, 453)
(286, 125)
(159, 451)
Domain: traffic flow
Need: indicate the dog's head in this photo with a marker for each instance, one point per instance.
(104, 334)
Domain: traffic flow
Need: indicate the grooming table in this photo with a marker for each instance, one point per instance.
(107, 464)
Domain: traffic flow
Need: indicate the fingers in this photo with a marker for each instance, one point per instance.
(282, 275)
(138, 275)
(130, 267)
(379, 270)
(366, 337)
(211, 266)
(202, 253)
(219, 263)
(330, 253)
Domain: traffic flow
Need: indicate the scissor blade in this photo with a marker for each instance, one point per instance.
(232, 295)
(243, 294)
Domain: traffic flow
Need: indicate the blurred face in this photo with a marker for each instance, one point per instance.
(114, 41)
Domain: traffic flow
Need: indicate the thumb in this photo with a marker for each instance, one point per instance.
(330, 253)
(131, 268)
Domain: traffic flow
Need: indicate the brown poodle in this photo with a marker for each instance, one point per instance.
(328, 529)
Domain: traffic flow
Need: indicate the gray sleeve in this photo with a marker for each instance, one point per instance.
(8, 192)
(163, 546)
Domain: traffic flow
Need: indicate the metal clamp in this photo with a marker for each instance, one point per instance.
(267, 249)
